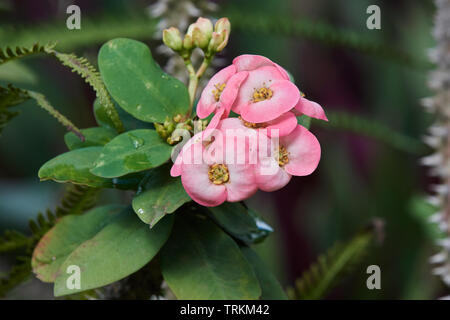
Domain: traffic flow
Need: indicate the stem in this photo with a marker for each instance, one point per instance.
(194, 78)
(44, 104)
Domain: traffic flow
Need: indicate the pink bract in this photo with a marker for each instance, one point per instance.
(309, 108)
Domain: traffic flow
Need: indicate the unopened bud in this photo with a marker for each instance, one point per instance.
(172, 38)
(201, 32)
(219, 38)
(188, 44)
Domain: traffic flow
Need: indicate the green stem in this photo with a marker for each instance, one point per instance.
(44, 104)
(194, 78)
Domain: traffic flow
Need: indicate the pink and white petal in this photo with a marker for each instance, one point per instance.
(285, 97)
(242, 182)
(270, 177)
(285, 124)
(175, 171)
(214, 121)
(304, 151)
(311, 109)
(259, 78)
(196, 182)
(207, 103)
(231, 91)
(251, 62)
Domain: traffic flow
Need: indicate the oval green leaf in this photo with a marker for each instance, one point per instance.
(160, 194)
(118, 249)
(68, 234)
(96, 136)
(132, 151)
(138, 84)
(270, 287)
(201, 262)
(74, 166)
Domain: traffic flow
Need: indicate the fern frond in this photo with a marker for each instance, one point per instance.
(13, 240)
(77, 199)
(88, 72)
(373, 129)
(42, 101)
(331, 267)
(8, 54)
(258, 22)
(10, 97)
(19, 273)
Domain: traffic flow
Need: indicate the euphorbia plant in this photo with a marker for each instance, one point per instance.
(241, 136)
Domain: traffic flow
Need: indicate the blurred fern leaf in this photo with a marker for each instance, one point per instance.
(331, 267)
(372, 129)
(9, 53)
(257, 22)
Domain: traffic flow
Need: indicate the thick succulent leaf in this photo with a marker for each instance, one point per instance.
(200, 261)
(138, 84)
(117, 249)
(68, 234)
(132, 151)
(74, 166)
(240, 222)
(96, 136)
(159, 194)
(270, 287)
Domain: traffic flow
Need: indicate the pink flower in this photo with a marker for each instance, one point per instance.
(220, 93)
(266, 93)
(210, 180)
(297, 154)
(309, 108)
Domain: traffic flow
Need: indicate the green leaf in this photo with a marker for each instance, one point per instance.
(129, 122)
(96, 136)
(159, 195)
(200, 261)
(132, 151)
(304, 121)
(270, 287)
(117, 249)
(68, 234)
(138, 84)
(74, 166)
(239, 222)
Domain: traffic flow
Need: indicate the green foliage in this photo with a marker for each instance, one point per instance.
(274, 24)
(240, 223)
(9, 53)
(88, 72)
(270, 287)
(76, 200)
(200, 261)
(95, 31)
(93, 137)
(10, 97)
(158, 195)
(331, 267)
(115, 250)
(138, 84)
(74, 166)
(372, 129)
(132, 151)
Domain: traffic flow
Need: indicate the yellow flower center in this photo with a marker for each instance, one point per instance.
(283, 156)
(218, 90)
(218, 174)
(262, 94)
(253, 125)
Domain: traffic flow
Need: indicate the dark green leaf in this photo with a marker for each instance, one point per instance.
(160, 194)
(132, 151)
(118, 249)
(138, 84)
(270, 287)
(239, 222)
(74, 166)
(200, 261)
(96, 136)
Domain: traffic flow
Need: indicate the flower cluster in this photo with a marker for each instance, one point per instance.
(262, 148)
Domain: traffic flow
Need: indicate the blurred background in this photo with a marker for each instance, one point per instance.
(369, 82)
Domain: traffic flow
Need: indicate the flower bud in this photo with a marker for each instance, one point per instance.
(188, 43)
(201, 32)
(220, 35)
(172, 38)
